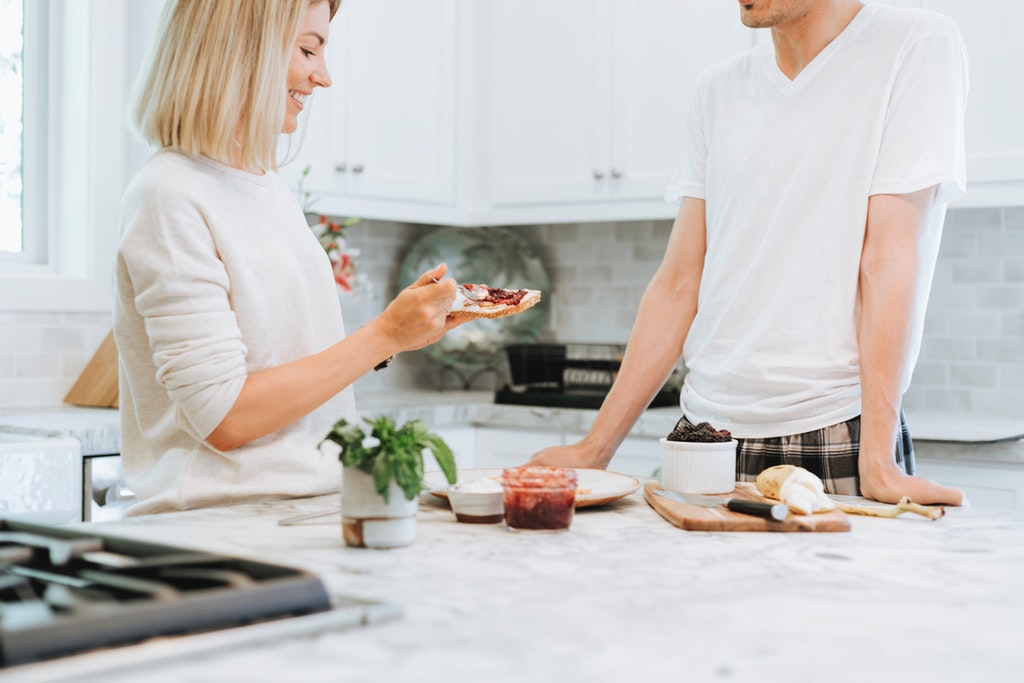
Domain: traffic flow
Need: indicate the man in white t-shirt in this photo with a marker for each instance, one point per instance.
(812, 194)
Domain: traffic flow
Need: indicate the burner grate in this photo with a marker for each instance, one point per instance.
(63, 592)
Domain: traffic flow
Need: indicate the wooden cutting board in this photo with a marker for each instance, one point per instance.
(97, 385)
(697, 518)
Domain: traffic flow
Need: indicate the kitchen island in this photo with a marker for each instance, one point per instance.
(625, 596)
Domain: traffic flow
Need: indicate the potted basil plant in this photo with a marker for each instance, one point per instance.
(382, 476)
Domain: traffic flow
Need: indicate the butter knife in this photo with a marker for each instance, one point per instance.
(775, 512)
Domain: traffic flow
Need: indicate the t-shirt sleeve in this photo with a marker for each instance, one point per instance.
(182, 292)
(923, 140)
(689, 180)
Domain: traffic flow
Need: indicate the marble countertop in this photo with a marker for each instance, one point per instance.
(624, 596)
(98, 429)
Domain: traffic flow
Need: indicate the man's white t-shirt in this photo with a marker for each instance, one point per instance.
(786, 169)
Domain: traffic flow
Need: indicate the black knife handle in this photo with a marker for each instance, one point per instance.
(772, 511)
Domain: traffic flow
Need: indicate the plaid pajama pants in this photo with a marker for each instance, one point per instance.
(830, 453)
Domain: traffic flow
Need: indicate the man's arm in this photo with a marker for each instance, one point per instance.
(888, 292)
(663, 320)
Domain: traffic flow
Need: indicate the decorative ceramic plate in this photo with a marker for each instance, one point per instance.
(495, 256)
(598, 486)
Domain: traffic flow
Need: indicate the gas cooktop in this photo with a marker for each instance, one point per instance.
(65, 591)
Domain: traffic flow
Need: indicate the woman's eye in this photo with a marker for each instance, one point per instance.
(308, 53)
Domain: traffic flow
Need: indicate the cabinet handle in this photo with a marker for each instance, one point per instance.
(616, 173)
(598, 174)
(340, 168)
(357, 168)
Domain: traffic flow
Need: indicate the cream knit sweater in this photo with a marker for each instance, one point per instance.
(217, 276)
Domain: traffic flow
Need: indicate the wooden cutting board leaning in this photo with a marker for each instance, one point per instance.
(697, 518)
(97, 386)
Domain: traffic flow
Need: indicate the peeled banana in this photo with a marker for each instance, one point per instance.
(800, 490)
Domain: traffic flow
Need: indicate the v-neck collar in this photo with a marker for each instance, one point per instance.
(783, 83)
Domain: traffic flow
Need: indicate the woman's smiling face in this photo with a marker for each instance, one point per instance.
(307, 68)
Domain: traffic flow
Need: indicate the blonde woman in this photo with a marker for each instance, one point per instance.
(234, 358)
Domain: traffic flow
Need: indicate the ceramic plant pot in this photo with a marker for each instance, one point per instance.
(367, 521)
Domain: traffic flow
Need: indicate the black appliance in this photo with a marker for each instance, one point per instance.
(572, 375)
(65, 591)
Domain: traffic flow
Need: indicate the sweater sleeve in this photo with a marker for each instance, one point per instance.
(182, 292)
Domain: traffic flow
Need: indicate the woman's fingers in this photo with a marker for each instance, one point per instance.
(431, 276)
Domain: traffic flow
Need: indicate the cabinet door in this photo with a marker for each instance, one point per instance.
(659, 48)
(399, 98)
(995, 105)
(637, 457)
(511, 447)
(548, 88)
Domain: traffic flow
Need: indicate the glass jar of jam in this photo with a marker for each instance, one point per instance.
(539, 497)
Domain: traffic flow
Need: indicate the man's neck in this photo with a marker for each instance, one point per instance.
(798, 41)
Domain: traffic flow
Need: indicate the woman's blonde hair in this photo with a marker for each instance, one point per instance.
(216, 78)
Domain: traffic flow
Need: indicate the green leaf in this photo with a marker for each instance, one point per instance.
(443, 455)
(382, 475)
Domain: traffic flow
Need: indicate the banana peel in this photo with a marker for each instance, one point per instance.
(904, 505)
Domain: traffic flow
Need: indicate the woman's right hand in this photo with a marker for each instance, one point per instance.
(418, 316)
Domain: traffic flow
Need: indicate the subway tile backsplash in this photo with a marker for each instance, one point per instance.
(41, 354)
(972, 357)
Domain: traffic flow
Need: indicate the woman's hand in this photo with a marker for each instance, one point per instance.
(418, 316)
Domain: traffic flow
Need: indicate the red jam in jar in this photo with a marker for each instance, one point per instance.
(539, 497)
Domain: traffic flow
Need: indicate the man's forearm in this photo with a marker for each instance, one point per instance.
(888, 289)
(663, 321)
(654, 348)
(885, 309)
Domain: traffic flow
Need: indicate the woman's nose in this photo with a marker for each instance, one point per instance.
(320, 76)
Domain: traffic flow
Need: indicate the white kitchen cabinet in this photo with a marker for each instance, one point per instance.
(385, 130)
(593, 107)
(637, 457)
(511, 447)
(480, 112)
(995, 104)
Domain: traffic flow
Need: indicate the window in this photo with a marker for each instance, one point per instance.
(12, 69)
(63, 150)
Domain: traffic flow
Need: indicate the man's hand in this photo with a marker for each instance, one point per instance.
(575, 455)
(889, 483)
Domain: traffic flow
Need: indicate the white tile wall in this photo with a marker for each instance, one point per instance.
(41, 354)
(972, 358)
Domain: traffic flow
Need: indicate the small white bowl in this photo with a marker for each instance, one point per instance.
(698, 467)
(477, 502)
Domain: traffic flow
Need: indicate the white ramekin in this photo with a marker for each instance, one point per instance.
(698, 467)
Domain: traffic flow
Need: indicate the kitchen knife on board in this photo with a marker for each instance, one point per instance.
(771, 511)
